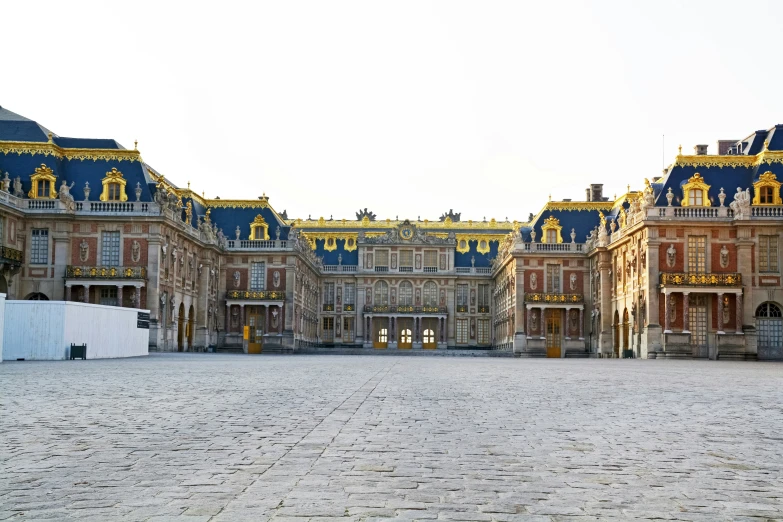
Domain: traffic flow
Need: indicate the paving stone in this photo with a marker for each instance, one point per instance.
(197, 437)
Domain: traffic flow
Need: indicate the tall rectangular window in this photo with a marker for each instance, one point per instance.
(462, 331)
(483, 295)
(462, 295)
(431, 259)
(43, 189)
(697, 254)
(553, 278)
(382, 258)
(110, 249)
(350, 293)
(39, 246)
(2, 228)
(483, 331)
(768, 253)
(257, 272)
(406, 258)
(329, 293)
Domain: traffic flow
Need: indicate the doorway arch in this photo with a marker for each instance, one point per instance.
(181, 328)
(769, 328)
(616, 332)
(37, 296)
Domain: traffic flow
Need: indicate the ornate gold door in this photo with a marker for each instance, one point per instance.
(405, 327)
(553, 330)
(255, 339)
(381, 337)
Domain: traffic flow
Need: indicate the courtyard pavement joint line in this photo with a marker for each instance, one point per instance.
(369, 387)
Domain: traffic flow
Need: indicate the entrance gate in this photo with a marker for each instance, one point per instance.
(255, 338)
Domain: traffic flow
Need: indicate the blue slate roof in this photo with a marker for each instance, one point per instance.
(230, 218)
(14, 127)
(582, 221)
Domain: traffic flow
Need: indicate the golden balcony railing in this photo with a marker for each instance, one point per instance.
(106, 272)
(553, 298)
(697, 279)
(404, 309)
(261, 295)
(11, 254)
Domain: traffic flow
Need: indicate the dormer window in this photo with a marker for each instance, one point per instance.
(767, 190)
(42, 182)
(695, 193)
(551, 236)
(113, 186)
(551, 231)
(114, 191)
(258, 233)
(259, 229)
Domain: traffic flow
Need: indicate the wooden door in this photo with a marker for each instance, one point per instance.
(405, 336)
(381, 333)
(553, 331)
(255, 338)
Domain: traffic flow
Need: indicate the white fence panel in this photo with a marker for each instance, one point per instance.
(44, 330)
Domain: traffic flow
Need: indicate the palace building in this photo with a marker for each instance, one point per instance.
(685, 267)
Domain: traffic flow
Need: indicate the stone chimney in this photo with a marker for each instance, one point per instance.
(596, 192)
(587, 194)
(724, 146)
(700, 150)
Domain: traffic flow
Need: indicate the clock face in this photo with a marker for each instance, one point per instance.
(406, 233)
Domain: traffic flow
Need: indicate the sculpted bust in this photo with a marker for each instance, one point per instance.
(671, 256)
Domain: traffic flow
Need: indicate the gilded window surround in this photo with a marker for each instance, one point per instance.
(768, 179)
(696, 182)
(767, 157)
(551, 223)
(259, 222)
(113, 176)
(43, 174)
(478, 238)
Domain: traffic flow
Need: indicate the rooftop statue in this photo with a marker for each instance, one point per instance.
(365, 213)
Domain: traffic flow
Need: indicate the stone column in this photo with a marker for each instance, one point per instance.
(67, 292)
(242, 327)
(519, 330)
(739, 317)
(581, 323)
(138, 297)
(119, 296)
(668, 313)
(605, 344)
(720, 313)
(686, 306)
(61, 244)
(280, 320)
(529, 327)
(566, 325)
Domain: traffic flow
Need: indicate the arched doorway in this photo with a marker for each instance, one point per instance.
(36, 296)
(428, 339)
(769, 328)
(616, 331)
(3, 285)
(406, 338)
(181, 328)
(626, 334)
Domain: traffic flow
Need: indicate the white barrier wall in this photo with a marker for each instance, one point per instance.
(44, 330)
(2, 317)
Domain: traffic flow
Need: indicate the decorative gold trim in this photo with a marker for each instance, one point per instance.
(768, 179)
(551, 223)
(43, 174)
(114, 176)
(694, 279)
(259, 222)
(347, 237)
(478, 238)
(50, 149)
(767, 157)
(553, 298)
(696, 182)
(306, 224)
(578, 205)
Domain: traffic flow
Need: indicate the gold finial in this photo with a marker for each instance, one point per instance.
(679, 150)
(135, 144)
(50, 138)
(628, 188)
(550, 197)
(766, 145)
(202, 194)
(188, 185)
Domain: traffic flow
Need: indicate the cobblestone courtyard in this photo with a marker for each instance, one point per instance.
(207, 437)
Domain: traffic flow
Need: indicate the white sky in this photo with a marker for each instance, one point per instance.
(407, 108)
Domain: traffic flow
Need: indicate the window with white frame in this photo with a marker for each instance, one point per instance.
(697, 254)
(430, 259)
(462, 295)
(328, 293)
(430, 294)
(406, 259)
(406, 293)
(382, 258)
(768, 253)
(381, 293)
(39, 246)
(110, 248)
(553, 278)
(257, 272)
(350, 293)
(483, 295)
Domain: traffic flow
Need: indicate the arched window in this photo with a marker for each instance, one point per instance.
(37, 296)
(769, 327)
(430, 294)
(381, 293)
(406, 293)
